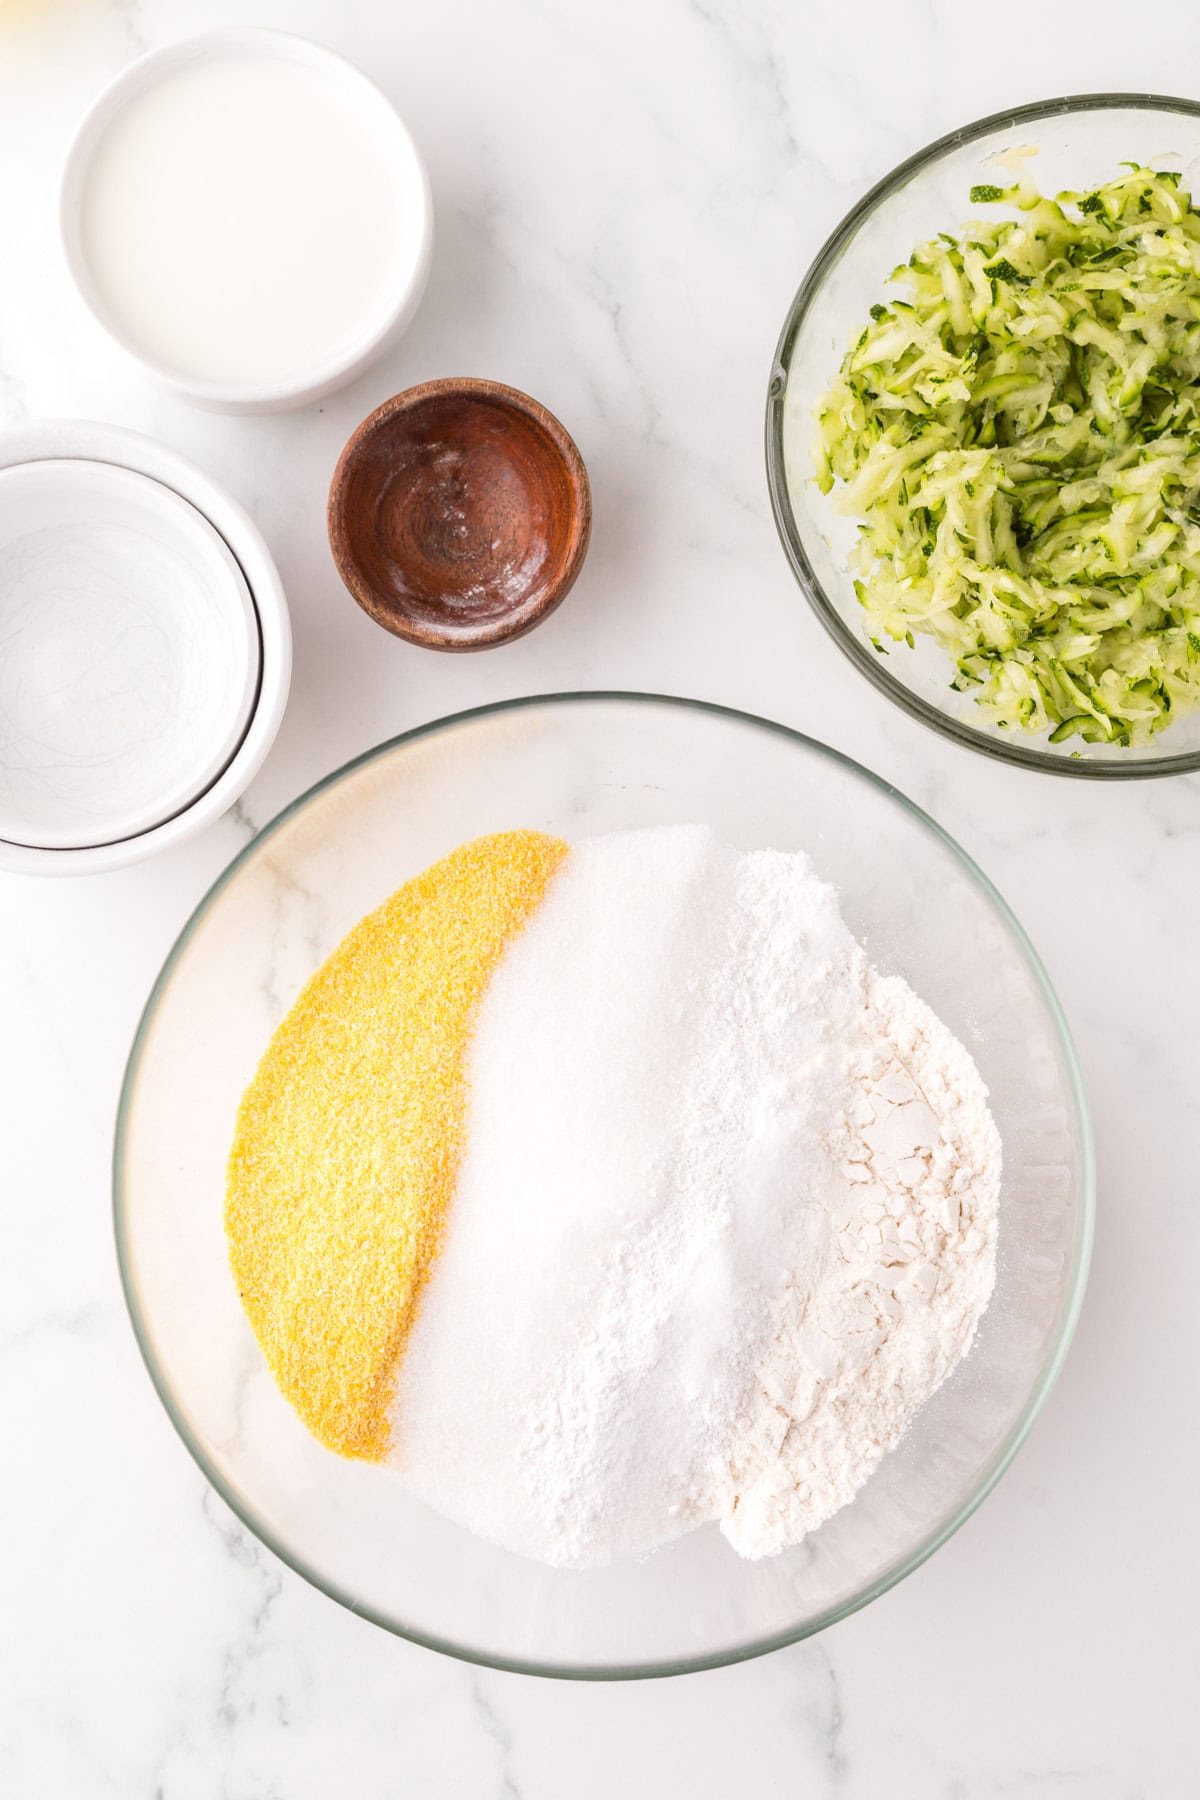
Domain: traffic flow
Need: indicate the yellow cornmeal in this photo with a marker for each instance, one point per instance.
(350, 1135)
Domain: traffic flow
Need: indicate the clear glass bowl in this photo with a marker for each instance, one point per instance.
(1081, 142)
(576, 765)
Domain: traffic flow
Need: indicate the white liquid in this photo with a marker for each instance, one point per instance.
(243, 225)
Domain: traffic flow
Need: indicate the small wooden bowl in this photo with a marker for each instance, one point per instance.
(459, 514)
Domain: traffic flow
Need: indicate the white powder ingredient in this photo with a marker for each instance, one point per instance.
(855, 1353)
(726, 1218)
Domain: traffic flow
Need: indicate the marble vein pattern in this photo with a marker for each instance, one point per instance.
(627, 196)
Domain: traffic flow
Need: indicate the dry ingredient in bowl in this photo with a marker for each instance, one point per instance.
(910, 1270)
(720, 1215)
(349, 1137)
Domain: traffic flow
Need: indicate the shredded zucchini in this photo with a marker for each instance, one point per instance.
(1019, 437)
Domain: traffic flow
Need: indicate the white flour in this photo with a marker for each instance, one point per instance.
(726, 1217)
(855, 1354)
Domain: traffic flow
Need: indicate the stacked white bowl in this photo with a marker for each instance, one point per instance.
(145, 649)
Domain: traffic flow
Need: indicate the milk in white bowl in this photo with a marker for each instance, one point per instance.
(247, 215)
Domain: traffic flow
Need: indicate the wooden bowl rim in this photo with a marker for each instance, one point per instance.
(524, 616)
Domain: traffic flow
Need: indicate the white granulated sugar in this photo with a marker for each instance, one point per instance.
(725, 1219)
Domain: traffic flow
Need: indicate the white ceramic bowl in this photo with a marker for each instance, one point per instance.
(401, 288)
(131, 658)
(64, 441)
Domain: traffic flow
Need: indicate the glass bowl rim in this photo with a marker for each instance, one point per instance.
(1011, 751)
(1002, 1457)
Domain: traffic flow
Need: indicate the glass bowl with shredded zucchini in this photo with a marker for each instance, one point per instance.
(983, 436)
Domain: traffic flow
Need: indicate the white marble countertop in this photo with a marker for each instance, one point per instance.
(626, 196)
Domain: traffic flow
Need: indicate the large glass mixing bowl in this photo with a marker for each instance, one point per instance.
(575, 765)
(1080, 142)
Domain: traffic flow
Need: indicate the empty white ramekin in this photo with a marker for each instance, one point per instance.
(65, 439)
